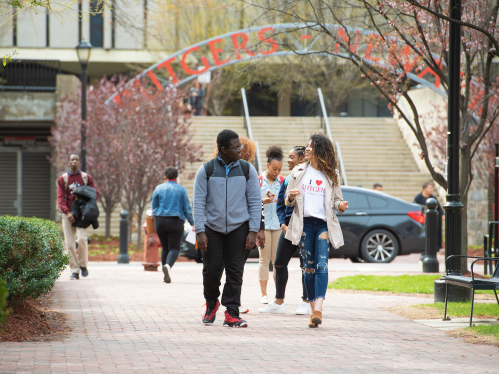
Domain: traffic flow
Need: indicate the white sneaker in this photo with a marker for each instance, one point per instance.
(273, 308)
(166, 272)
(303, 308)
(243, 309)
(265, 299)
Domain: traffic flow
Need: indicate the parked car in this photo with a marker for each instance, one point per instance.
(377, 227)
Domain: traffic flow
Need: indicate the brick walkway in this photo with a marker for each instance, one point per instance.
(127, 320)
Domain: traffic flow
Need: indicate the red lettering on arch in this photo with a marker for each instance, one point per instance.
(428, 70)
(189, 70)
(343, 35)
(215, 52)
(241, 47)
(269, 41)
(155, 80)
(167, 66)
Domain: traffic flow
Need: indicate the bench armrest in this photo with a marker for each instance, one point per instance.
(473, 263)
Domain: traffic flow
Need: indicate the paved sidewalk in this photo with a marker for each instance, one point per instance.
(126, 320)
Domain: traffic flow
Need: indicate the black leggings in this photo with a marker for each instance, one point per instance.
(170, 231)
(285, 250)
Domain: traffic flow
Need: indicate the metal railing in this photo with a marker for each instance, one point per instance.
(328, 131)
(30, 75)
(250, 132)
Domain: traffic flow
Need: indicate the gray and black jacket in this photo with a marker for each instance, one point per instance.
(227, 198)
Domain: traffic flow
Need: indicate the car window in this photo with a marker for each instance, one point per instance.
(350, 197)
(377, 202)
(361, 202)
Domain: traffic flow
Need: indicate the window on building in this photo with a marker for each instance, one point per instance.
(96, 24)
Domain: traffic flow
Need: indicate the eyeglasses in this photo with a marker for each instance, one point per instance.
(238, 149)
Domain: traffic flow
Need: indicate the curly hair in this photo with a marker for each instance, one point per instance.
(274, 152)
(324, 151)
(248, 146)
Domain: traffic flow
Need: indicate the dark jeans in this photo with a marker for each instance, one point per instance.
(170, 231)
(285, 250)
(225, 252)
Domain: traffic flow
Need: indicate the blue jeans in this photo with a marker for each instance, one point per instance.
(314, 248)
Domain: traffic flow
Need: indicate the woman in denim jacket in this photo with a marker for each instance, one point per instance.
(171, 207)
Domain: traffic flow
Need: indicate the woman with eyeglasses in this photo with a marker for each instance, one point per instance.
(314, 190)
(270, 183)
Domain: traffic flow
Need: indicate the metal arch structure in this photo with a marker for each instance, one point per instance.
(236, 50)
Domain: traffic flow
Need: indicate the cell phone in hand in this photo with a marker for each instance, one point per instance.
(259, 244)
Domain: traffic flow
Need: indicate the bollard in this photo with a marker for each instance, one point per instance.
(123, 256)
(430, 262)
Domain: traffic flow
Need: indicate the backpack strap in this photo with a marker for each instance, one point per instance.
(85, 178)
(208, 168)
(65, 179)
(260, 178)
(246, 168)
(282, 178)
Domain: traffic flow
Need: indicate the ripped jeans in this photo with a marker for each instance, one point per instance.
(314, 248)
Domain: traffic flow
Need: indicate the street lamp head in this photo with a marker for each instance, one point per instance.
(83, 50)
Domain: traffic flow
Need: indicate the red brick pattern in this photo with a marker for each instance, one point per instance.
(125, 320)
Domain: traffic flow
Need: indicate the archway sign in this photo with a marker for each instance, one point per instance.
(234, 47)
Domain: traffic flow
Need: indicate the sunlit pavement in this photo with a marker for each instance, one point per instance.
(126, 320)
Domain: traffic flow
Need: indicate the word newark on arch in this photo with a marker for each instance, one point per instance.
(236, 49)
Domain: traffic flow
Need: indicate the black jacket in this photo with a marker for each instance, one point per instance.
(85, 210)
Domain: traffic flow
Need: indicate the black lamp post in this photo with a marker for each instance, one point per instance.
(453, 206)
(83, 51)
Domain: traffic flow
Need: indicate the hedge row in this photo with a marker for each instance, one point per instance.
(4, 312)
(31, 256)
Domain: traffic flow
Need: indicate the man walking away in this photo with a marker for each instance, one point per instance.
(66, 184)
(227, 212)
(421, 200)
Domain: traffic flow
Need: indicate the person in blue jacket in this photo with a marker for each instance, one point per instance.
(285, 249)
(171, 207)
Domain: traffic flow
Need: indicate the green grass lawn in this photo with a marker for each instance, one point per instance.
(463, 309)
(398, 283)
(486, 330)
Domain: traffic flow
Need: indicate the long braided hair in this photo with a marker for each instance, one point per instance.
(300, 151)
(323, 149)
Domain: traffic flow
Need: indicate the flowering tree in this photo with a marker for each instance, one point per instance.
(393, 43)
(152, 134)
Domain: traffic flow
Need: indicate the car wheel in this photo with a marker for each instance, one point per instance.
(379, 246)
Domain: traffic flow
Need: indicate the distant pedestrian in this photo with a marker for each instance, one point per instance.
(314, 190)
(270, 183)
(421, 200)
(377, 187)
(285, 248)
(66, 184)
(227, 212)
(171, 207)
(196, 99)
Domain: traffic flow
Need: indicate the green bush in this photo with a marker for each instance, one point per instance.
(4, 312)
(31, 256)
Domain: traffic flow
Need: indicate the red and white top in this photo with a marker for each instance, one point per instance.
(314, 194)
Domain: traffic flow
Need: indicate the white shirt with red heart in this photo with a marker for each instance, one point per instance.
(314, 194)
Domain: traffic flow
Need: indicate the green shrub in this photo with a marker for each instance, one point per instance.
(4, 312)
(31, 256)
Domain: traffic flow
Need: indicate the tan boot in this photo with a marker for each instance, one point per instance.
(316, 318)
(312, 324)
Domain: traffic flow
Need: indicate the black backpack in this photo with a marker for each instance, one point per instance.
(210, 166)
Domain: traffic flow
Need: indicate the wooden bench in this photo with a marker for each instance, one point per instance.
(472, 282)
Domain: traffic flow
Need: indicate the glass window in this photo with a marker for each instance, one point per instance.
(377, 202)
(361, 202)
(350, 197)
(96, 24)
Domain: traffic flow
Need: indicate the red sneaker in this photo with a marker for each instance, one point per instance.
(210, 313)
(233, 320)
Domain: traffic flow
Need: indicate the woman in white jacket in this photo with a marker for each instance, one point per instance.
(314, 190)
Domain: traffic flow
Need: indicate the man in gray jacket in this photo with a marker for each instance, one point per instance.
(227, 210)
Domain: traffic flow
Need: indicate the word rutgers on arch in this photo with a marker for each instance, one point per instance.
(260, 42)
